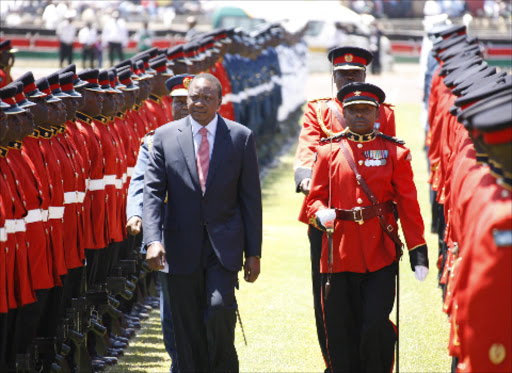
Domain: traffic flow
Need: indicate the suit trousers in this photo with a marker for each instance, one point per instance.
(203, 307)
(360, 336)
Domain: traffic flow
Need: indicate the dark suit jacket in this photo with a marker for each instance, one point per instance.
(230, 208)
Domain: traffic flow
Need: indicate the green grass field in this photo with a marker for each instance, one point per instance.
(277, 310)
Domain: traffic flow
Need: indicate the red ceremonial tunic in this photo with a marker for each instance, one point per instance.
(96, 235)
(365, 247)
(317, 124)
(74, 192)
(226, 109)
(167, 106)
(485, 294)
(19, 170)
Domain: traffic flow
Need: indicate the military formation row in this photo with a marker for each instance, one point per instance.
(469, 141)
(73, 283)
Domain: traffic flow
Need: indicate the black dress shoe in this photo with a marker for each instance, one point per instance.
(115, 352)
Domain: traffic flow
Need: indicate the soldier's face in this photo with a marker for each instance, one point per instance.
(39, 111)
(93, 103)
(360, 118)
(344, 77)
(70, 107)
(159, 85)
(57, 113)
(179, 68)
(109, 104)
(129, 99)
(79, 102)
(26, 123)
(203, 101)
(179, 107)
(12, 128)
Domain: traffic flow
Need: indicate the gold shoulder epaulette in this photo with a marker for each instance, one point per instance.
(320, 99)
(391, 138)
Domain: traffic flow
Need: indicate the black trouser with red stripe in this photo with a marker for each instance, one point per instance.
(315, 241)
(360, 336)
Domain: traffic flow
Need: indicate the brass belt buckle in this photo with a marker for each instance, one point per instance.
(358, 215)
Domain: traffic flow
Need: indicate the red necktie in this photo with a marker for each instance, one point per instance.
(203, 158)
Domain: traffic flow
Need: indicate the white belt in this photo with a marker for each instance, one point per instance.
(227, 98)
(19, 225)
(10, 225)
(129, 171)
(109, 179)
(55, 212)
(119, 183)
(3, 235)
(44, 215)
(124, 177)
(34, 216)
(96, 184)
(73, 197)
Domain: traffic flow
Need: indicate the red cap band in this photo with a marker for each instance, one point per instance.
(67, 87)
(497, 137)
(9, 100)
(30, 88)
(160, 68)
(20, 97)
(55, 86)
(350, 58)
(105, 82)
(361, 94)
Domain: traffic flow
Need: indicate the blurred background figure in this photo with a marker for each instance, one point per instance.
(115, 37)
(88, 37)
(375, 47)
(98, 48)
(144, 37)
(6, 62)
(66, 33)
(191, 31)
(53, 14)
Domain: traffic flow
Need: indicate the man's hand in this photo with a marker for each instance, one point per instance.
(133, 225)
(325, 218)
(251, 268)
(305, 186)
(155, 256)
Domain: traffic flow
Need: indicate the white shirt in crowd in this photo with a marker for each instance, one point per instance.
(66, 32)
(115, 32)
(88, 36)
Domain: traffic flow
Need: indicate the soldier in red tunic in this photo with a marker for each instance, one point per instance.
(324, 118)
(360, 265)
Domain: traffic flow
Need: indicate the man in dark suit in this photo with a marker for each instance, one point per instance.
(208, 169)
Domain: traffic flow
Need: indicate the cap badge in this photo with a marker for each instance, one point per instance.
(186, 82)
(357, 93)
(349, 57)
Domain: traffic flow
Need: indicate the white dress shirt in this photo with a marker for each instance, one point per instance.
(210, 127)
(88, 36)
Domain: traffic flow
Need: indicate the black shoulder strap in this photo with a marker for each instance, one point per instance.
(391, 138)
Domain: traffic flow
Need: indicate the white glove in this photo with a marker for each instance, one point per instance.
(326, 217)
(420, 272)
